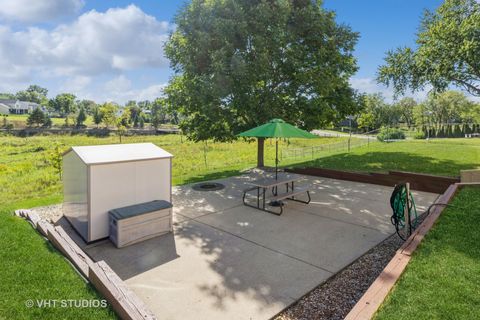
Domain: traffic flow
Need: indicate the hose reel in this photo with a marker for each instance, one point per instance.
(404, 216)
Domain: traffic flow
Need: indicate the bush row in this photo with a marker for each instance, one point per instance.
(448, 131)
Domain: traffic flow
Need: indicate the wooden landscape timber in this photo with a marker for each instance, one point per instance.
(470, 176)
(62, 241)
(373, 298)
(122, 300)
(418, 181)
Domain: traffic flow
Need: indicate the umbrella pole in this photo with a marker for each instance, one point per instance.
(276, 203)
(276, 159)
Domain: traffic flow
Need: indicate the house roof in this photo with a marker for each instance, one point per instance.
(8, 102)
(112, 153)
(17, 104)
(4, 109)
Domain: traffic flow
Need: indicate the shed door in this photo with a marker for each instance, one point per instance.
(122, 184)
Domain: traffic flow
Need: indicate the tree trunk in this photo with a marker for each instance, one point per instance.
(261, 144)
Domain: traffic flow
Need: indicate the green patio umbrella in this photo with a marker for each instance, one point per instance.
(277, 128)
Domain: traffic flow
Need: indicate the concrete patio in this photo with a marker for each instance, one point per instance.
(228, 261)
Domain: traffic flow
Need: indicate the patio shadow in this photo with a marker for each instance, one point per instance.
(129, 261)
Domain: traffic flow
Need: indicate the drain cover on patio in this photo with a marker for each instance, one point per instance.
(208, 186)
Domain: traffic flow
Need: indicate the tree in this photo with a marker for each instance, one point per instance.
(125, 119)
(123, 123)
(377, 113)
(471, 114)
(6, 95)
(47, 122)
(405, 109)
(109, 114)
(63, 103)
(87, 105)
(447, 50)
(34, 94)
(37, 117)
(97, 115)
(141, 121)
(158, 112)
(240, 63)
(442, 109)
(135, 114)
(81, 117)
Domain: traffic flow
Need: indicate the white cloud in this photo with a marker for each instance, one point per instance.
(76, 84)
(119, 89)
(95, 43)
(369, 85)
(118, 84)
(38, 10)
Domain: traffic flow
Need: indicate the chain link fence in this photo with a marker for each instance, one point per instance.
(315, 152)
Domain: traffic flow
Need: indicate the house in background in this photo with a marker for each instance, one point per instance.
(4, 109)
(12, 106)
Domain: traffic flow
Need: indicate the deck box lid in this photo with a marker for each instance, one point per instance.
(138, 209)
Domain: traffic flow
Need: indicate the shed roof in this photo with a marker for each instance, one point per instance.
(111, 153)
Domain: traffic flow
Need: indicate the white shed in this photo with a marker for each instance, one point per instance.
(97, 179)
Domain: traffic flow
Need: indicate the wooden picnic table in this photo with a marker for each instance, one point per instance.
(264, 184)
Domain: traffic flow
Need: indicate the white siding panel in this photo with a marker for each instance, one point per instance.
(152, 180)
(116, 185)
(75, 190)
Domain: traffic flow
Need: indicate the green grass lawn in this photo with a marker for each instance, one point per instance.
(442, 281)
(20, 120)
(31, 269)
(438, 156)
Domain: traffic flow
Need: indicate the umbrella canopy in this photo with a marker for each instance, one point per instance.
(277, 128)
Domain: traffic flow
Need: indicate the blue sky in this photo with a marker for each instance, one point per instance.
(112, 49)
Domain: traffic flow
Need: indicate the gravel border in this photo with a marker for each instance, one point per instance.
(50, 213)
(334, 298)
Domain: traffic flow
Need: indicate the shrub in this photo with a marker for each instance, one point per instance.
(419, 135)
(390, 134)
(37, 117)
(47, 122)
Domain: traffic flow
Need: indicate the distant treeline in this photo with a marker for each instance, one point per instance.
(450, 130)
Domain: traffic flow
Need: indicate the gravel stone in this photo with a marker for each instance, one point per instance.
(50, 213)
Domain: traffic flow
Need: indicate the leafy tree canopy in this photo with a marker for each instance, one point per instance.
(159, 112)
(81, 117)
(240, 63)
(37, 117)
(404, 108)
(377, 113)
(97, 115)
(34, 94)
(87, 105)
(108, 113)
(444, 108)
(448, 47)
(63, 103)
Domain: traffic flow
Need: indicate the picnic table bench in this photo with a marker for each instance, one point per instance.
(264, 184)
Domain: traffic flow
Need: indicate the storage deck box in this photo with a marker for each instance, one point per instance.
(132, 224)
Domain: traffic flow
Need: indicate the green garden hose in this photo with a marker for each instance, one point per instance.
(398, 202)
